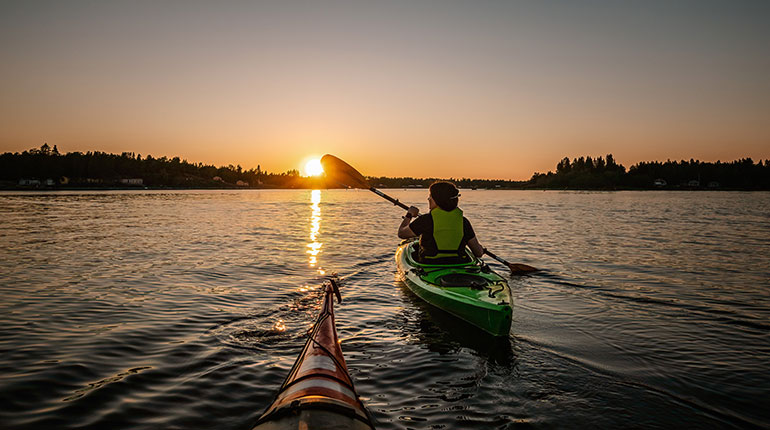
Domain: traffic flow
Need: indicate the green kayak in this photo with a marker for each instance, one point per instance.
(470, 291)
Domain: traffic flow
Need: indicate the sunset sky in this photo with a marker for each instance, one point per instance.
(484, 89)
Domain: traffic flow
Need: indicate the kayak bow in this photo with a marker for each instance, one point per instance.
(318, 393)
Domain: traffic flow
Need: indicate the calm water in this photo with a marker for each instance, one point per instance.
(186, 309)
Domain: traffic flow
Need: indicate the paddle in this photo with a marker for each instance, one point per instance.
(516, 268)
(346, 175)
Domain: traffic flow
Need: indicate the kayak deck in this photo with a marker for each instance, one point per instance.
(470, 291)
(318, 393)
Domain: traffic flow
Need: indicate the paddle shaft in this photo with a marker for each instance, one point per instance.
(389, 198)
(516, 268)
(381, 194)
(489, 253)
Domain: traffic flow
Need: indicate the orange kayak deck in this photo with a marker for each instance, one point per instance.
(318, 393)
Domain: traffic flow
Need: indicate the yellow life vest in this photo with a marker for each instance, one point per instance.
(447, 232)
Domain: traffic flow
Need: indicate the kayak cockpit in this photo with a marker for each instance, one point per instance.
(413, 247)
(466, 280)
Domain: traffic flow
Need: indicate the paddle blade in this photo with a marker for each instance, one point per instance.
(520, 269)
(342, 173)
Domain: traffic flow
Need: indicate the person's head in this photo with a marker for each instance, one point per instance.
(444, 195)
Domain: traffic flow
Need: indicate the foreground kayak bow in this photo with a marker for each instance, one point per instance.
(318, 394)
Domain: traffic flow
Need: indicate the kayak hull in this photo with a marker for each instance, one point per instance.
(471, 292)
(314, 419)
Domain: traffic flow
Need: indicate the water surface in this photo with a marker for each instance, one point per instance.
(186, 309)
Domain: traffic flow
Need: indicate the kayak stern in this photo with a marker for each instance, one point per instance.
(485, 301)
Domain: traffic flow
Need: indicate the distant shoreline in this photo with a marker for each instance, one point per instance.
(673, 189)
(48, 169)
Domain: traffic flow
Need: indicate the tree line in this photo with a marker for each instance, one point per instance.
(100, 169)
(409, 182)
(604, 173)
(47, 167)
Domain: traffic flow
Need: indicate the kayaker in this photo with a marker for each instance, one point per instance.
(444, 232)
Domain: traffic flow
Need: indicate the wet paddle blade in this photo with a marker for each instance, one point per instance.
(520, 269)
(342, 173)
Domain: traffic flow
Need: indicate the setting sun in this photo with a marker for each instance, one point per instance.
(313, 167)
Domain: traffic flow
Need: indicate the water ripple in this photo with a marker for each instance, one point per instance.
(186, 309)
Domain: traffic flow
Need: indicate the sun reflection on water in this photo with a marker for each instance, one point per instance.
(314, 247)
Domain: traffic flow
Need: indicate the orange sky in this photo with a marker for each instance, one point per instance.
(431, 88)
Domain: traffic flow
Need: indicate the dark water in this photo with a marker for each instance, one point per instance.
(149, 310)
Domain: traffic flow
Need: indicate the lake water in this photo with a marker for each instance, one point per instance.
(186, 309)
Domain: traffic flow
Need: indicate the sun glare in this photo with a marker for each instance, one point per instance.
(313, 168)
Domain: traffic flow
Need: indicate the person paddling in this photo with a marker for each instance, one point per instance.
(444, 232)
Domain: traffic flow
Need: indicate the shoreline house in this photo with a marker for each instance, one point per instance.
(132, 181)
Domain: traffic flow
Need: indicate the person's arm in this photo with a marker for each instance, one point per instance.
(476, 247)
(473, 243)
(404, 232)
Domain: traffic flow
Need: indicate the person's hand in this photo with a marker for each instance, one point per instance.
(413, 211)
